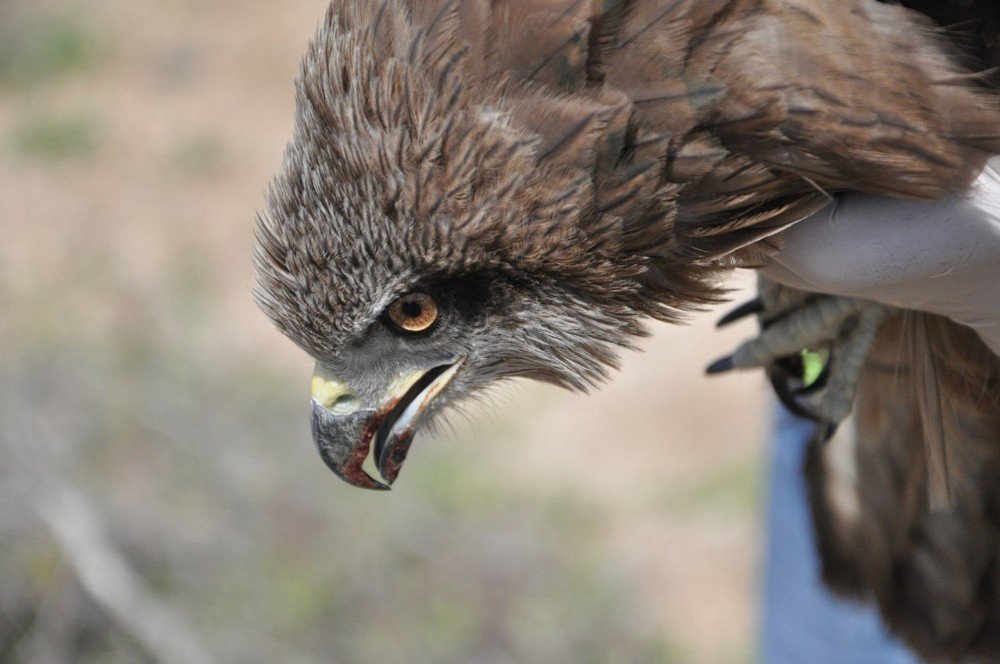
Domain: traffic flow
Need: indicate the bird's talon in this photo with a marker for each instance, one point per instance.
(811, 383)
(749, 308)
(825, 432)
(722, 365)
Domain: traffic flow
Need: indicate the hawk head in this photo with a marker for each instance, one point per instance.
(421, 241)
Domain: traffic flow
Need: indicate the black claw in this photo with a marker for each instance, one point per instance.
(720, 366)
(754, 306)
(825, 432)
(787, 396)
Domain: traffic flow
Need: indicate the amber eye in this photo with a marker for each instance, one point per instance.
(414, 312)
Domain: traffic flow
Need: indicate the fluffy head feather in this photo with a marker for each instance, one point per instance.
(617, 149)
(558, 170)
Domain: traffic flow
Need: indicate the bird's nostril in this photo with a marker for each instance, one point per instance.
(345, 404)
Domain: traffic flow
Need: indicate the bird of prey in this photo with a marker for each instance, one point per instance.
(484, 189)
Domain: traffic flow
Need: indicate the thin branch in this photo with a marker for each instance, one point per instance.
(113, 583)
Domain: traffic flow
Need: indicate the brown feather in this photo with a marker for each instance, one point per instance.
(927, 539)
(623, 154)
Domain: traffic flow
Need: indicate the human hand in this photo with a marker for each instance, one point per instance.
(941, 257)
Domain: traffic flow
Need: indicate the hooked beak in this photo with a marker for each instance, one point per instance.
(344, 428)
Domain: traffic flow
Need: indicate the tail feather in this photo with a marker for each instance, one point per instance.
(925, 539)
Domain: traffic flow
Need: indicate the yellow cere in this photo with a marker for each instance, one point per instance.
(326, 392)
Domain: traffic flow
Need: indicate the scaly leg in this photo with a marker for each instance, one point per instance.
(798, 330)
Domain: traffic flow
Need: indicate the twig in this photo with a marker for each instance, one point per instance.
(112, 583)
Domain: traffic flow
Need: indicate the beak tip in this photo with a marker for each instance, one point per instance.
(343, 442)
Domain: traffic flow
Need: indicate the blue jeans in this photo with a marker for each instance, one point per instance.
(803, 623)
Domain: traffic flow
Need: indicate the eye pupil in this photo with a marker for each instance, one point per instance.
(414, 312)
(412, 309)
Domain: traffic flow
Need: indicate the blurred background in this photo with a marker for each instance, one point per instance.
(160, 496)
